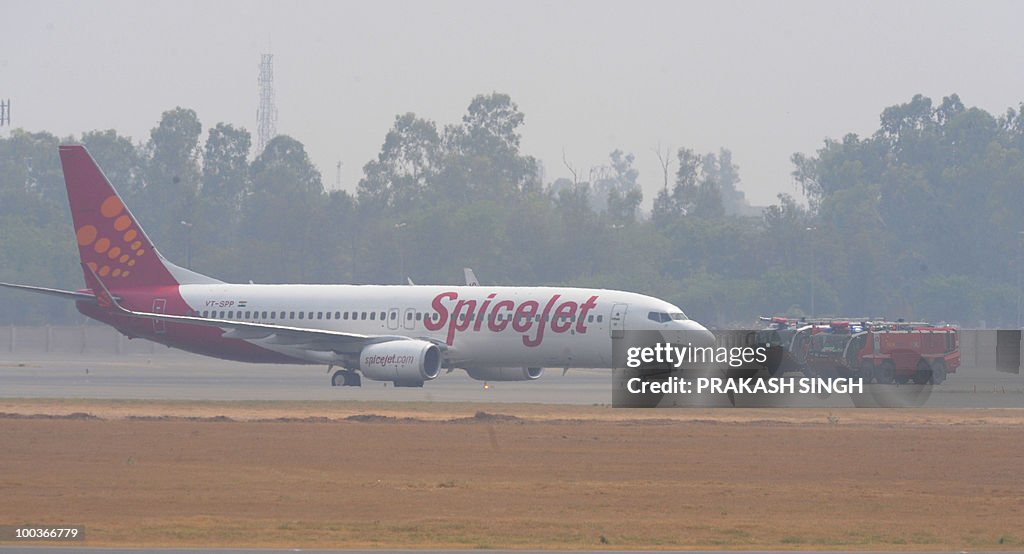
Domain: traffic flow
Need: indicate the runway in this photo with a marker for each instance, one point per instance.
(175, 375)
(60, 550)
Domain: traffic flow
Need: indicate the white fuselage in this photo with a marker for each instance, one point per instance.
(481, 326)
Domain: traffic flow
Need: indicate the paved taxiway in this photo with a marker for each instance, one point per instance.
(175, 375)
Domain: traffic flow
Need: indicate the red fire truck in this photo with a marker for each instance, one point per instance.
(899, 352)
(878, 351)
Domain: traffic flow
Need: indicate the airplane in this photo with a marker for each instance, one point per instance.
(403, 334)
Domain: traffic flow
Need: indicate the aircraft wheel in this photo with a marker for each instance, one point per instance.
(340, 378)
(346, 378)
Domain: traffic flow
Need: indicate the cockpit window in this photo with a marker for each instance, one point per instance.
(658, 317)
(665, 317)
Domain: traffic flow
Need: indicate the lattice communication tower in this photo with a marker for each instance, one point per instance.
(266, 113)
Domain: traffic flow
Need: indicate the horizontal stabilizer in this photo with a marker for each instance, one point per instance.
(66, 294)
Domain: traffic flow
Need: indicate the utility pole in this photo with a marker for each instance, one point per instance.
(401, 251)
(188, 244)
(814, 266)
(1020, 267)
(5, 112)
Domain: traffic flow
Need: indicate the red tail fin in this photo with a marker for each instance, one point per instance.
(110, 240)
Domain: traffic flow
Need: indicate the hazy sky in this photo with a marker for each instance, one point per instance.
(764, 79)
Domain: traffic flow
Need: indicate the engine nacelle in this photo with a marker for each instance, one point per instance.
(406, 362)
(505, 373)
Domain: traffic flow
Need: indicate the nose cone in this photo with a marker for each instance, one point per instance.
(689, 332)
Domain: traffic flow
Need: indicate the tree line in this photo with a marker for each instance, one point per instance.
(922, 219)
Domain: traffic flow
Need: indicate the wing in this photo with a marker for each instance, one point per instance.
(284, 335)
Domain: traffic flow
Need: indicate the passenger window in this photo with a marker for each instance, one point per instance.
(408, 316)
(382, 316)
(600, 318)
(231, 314)
(344, 315)
(419, 316)
(319, 315)
(394, 315)
(301, 314)
(247, 315)
(337, 315)
(205, 312)
(291, 315)
(373, 316)
(363, 316)
(310, 315)
(264, 315)
(328, 314)
(273, 315)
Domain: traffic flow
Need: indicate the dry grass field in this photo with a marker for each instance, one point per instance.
(490, 476)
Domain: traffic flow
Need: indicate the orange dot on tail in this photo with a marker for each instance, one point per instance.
(92, 265)
(122, 223)
(130, 235)
(131, 263)
(140, 252)
(86, 235)
(116, 272)
(114, 252)
(136, 245)
(111, 206)
(102, 245)
(126, 273)
(124, 258)
(104, 271)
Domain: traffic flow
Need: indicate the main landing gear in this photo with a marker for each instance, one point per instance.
(346, 378)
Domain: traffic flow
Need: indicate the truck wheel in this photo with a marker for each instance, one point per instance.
(938, 372)
(885, 373)
(867, 370)
(923, 375)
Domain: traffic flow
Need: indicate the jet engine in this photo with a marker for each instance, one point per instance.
(505, 373)
(404, 362)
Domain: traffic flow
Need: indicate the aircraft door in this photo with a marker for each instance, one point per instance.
(393, 319)
(159, 307)
(617, 321)
(409, 322)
